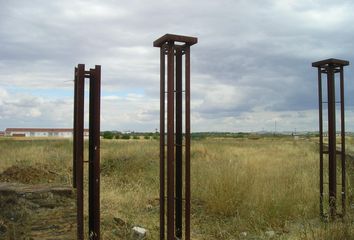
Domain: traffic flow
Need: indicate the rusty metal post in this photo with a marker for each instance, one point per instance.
(188, 148)
(330, 67)
(170, 141)
(162, 143)
(332, 162)
(94, 150)
(342, 120)
(79, 147)
(321, 137)
(174, 46)
(75, 127)
(94, 153)
(179, 141)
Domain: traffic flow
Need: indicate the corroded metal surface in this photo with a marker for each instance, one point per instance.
(330, 67)
(173, 48)
(94, 75)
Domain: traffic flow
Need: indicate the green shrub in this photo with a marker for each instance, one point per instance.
(125, 136)
(108, 135)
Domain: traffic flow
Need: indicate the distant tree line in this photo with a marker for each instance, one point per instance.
(126, 136)
(203, 135)
(199, 135)
(156, 135)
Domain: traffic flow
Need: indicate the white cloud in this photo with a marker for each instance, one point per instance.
(250, 66)
(35, 113)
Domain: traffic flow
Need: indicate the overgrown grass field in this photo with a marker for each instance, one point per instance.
(241, 188)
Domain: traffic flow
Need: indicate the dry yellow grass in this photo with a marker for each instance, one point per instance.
(238, 185)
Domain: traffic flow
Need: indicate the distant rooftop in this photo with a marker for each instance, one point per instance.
(40, 130)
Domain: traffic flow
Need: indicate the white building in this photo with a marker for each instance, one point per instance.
(42, 132)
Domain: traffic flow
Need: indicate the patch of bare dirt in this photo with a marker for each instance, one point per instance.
(37, 212)
(27, 174)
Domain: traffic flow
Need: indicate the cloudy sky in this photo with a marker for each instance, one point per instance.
(250, 69)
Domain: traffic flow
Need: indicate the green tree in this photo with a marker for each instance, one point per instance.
(108, 135)
(125, 136)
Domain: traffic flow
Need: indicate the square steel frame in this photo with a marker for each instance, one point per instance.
(330, 67)
(174, 47)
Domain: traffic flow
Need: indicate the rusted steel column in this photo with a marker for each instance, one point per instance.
(94, 149)
(75, 127)
(330, 67)
(179, 139)
(187, 140)
(332, 162)
(170, 142)
(321, 137)
(342, 140)
(168, 44)
(79, 148)
(94, 153)
(162, 143)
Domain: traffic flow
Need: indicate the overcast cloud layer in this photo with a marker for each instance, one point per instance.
(251, 67)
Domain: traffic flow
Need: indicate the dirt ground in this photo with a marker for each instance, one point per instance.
(27, 174)
(34, 207)
(35, 211)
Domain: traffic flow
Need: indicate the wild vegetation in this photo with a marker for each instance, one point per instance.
(242, 188)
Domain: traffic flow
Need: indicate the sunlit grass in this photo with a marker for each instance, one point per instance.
(238, 185)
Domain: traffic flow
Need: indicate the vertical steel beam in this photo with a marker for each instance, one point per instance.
(320, 118)
(75, 127)
(94, 149)
(342, 140)
(332, 169)
(94, 153)
(187, 149)
(170, 142)
(162, 143)
(179, 139)
(79, 142)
